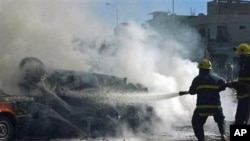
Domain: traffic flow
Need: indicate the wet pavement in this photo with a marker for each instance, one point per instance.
(184, 133)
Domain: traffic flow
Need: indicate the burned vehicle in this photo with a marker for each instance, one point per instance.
(14, 115)
(76, 100)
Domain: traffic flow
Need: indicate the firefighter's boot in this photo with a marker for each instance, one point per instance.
(224, 138)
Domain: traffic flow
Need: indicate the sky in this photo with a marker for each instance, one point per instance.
(139, 10)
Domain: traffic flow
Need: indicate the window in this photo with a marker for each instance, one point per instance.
(222, 34)
(242, 27)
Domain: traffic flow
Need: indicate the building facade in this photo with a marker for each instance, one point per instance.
(226, 25)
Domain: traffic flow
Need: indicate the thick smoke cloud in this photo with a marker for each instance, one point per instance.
(65, 34)
(46, 29)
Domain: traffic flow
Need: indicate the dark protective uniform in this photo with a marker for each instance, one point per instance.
(243, 107)
(207, 86)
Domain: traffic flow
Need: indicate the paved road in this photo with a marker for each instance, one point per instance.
(180, 134)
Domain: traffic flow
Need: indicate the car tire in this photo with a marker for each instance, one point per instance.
(6, 128)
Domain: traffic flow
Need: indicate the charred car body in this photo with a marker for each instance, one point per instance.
(64, 109)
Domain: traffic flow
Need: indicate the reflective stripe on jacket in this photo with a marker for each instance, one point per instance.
(244, 79)
(207, 87)
(242, 96)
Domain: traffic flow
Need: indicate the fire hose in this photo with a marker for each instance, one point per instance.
(167, 96)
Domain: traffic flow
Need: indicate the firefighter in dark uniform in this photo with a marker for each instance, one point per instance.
(243, 108)
(207, 87)
(242, 86)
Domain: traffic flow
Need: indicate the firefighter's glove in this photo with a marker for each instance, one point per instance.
(183, 93)
(222, 87)
(229, 85)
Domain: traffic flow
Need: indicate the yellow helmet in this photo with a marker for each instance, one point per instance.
(243, 49)
(205, 64)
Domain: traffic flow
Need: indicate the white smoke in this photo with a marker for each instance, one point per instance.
(46, 29)
(65, 34)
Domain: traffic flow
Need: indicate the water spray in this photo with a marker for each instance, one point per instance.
(115, 97)
(154, 96)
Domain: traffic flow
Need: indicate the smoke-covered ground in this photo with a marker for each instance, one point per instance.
(66, 34)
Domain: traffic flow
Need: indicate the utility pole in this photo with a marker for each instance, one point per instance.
(173, 15)
(173, 6)
(115, 10)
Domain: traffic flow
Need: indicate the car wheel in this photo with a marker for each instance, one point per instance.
(6, 128)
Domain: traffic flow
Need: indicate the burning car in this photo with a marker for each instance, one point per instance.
(13, 115)
(66, 102)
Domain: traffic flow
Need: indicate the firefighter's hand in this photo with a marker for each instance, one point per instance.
(223, 87)
(239, 85)
(183, 93)
(229, 85)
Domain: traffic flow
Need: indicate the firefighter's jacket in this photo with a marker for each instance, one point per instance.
(206, 85)
(244, 77)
